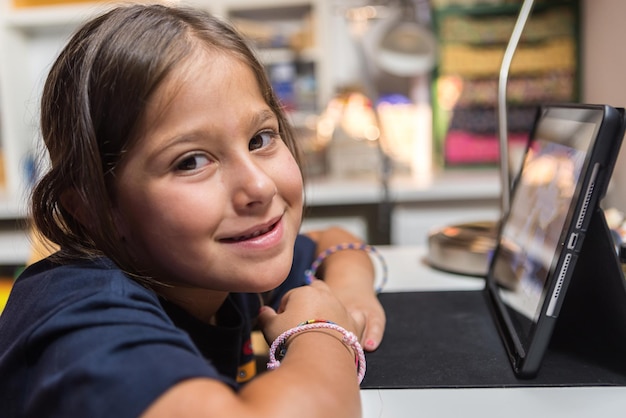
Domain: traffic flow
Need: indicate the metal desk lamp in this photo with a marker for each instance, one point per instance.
(466, 248)
(402, 45)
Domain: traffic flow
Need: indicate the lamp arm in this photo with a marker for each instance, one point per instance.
(505, 181)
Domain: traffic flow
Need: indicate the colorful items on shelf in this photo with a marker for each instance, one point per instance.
(472, 40)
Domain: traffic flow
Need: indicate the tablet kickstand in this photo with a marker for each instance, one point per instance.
(592, 322)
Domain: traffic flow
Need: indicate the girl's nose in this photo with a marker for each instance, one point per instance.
(252, 186)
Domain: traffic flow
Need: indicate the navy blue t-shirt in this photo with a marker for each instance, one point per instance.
(85, 340)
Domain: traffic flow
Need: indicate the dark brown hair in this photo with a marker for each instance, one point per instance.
(93, 99)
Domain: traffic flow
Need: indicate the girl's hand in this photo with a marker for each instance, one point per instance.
(367, 313)
(350, 274)
(316, 301)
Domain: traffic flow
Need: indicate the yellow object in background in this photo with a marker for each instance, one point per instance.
(31, 3)
(471, 61)
(5, 289)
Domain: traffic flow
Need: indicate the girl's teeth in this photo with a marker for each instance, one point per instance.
(253, 235)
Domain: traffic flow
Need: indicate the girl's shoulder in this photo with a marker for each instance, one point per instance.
(84, 325)
(48, 292)
(77, 280)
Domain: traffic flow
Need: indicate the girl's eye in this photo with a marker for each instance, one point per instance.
(193, 162)
(262, 140)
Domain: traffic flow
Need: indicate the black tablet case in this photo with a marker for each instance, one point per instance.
(449, 339)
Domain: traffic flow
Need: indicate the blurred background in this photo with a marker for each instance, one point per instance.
(394, 101)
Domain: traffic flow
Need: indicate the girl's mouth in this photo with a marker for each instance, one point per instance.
(251, 235)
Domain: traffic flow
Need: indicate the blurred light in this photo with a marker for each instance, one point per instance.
(361, 14)
(371, 133)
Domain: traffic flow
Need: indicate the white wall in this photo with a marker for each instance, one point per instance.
(604, 72)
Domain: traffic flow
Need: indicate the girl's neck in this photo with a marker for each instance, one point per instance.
(202, 304)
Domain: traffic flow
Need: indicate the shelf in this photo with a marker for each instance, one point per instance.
(489, 9)
(472, 41)
(15, 248)
(31, 37)
(446, 186)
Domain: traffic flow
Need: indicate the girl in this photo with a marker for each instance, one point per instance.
(175, 198)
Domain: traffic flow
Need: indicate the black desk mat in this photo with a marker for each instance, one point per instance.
(449, 340)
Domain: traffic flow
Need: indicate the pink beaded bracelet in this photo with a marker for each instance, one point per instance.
(310, 273)
(279, 346)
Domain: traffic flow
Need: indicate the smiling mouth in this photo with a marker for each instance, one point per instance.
(252, 235)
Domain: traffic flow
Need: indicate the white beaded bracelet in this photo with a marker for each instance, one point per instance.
(279, 346)
(310, 273)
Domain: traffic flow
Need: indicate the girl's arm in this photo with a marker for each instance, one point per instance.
(318, 376)
(316, 379)
(351, 275)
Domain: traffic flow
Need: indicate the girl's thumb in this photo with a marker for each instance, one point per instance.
(265, 314)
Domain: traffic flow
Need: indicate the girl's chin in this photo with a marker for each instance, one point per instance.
(264, 285)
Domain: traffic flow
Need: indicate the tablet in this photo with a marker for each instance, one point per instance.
(563, 176)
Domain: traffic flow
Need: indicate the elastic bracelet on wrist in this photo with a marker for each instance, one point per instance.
(310, 273)
(278, 349)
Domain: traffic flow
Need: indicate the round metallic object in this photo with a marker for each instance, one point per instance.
(464, 248)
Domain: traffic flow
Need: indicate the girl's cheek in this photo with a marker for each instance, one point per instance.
(294, 176)
(288, 177)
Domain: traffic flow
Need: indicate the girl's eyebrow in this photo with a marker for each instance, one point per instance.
(256, 119)
(263, 116)
(182, 138)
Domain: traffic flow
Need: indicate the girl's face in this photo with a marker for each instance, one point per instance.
(210, 196)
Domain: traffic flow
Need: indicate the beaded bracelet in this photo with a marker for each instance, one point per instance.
(279, 346)
(310, 273)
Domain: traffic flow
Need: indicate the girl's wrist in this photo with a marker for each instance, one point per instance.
(318, 329)
(323, 339)
(378, 262)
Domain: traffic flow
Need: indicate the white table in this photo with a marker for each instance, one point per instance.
(408, 272)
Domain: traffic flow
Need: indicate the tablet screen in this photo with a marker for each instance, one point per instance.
(542, 206)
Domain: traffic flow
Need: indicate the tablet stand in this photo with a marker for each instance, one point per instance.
(592, 321)
(449, 339)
